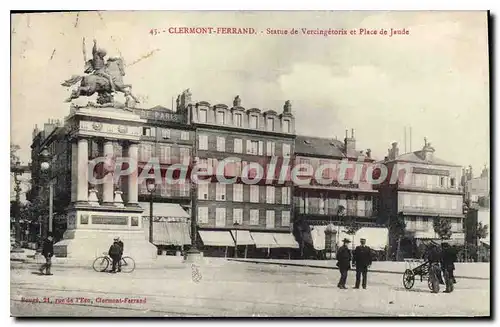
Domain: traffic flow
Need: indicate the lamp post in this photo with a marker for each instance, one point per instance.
(151, 186)
(45, 167)
(193, 254)
(236, 225)
(17, 171)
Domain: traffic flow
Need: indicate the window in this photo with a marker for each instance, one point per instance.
(261, 148)
(203, 115)
(306, 204)
(407, 200)
(270, 124)
(270, 149)
(165, 154)
(254, 217)
(454, 203)
(238, 146)
(452, 182)
(149, 131)
(203, 191)
(221, 118)
(252, 147)
(253, 121)
(286, 126)
(221, 144)
(285, 195)
(254, 193)
(184, 156)
(441, 182)
(220, 192)
(238, 120)
(285, 218)
(270, 194)
(203, 215)
(321, 205)
(145, 151)
(286, 150)
(203, 142)
(220, 217)
(238, 216)
(185, 136)
(165, 133)
(270, 219)
(238, 192)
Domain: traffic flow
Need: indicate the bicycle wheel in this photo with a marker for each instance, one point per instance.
(128, 264)
(100, 264)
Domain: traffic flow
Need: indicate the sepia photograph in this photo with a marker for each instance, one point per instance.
(250, 164)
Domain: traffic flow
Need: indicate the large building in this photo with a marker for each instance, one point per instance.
(427, 187)
(477, 189)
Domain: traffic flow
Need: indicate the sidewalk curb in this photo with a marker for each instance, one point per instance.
(334, 268)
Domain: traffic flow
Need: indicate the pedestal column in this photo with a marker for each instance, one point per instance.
(107, 192)
(83, 171)
(133, 187)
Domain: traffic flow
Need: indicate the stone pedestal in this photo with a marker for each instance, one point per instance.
(91, 227)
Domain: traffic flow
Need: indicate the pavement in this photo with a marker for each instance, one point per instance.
(224, 288)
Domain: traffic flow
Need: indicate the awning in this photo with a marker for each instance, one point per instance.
(243, 237)
(376, 237)
(168, 233)
(263, 240)
(216, 238)
(170, 211)
(285, 240)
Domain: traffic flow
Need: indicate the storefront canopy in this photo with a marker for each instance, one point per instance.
(216, 238)
(168, 233)
(242, 237)
(171, 211)
(263, 240)
(285, 240)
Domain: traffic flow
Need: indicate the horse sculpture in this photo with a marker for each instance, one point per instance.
(91, 84)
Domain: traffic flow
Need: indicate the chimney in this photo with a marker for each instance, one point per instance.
(395, 150)
(48, 127)
(470, 175)
(369, 153)
(35, 132)
(349, 143)
(427, 150)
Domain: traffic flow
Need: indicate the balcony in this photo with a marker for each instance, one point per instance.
(333, 212)
(430, 188)
(432, 211)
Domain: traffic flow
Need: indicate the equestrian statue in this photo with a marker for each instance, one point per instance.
(104, 77)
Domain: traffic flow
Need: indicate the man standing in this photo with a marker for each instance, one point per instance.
(448, 259)
(343, 263)
(362, 258)
(114, 253)
(47, 252)
(120, 244)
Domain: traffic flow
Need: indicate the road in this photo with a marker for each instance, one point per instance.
(234, 289)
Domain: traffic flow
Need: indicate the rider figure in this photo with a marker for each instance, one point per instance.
(99, 65)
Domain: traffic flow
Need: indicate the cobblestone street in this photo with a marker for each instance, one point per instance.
(235, 289)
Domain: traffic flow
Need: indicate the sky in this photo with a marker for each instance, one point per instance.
(436, 79)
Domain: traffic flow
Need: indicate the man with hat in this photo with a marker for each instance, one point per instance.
(343, 263)
(115, 252)
(362, 258)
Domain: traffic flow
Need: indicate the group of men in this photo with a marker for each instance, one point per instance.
(446, 258)
(361, 258)
(115, 252)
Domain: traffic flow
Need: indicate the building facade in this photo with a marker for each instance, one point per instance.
(426, 187)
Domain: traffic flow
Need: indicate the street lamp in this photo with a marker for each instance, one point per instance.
(193, 254)
(45, 167)
(236, 225)
(151, 186)
(17, 171)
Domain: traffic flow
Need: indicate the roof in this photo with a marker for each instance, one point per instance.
(416, 157)
(319, 146)
(160, 108)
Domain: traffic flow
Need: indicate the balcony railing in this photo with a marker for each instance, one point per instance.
(428, 210)
(333, 212)
(430, 188)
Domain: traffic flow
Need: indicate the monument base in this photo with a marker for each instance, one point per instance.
(91, 231)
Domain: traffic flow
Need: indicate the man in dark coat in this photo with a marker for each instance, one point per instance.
(115, 254)
(362, 258)
(343, 263)
(120, 244)
(433, 256)
(47, 252)
(448, 259)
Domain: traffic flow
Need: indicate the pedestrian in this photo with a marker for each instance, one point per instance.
(120, 244)
(448, 259)
(343, 263)
(362, 258)
(433, 257)
(47, 252)
(114, 253)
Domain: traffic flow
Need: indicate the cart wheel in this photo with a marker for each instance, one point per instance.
(408, 279)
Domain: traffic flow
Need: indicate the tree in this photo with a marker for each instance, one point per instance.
(482, 231)
(13, 153)
(442, 227)
(397, 229)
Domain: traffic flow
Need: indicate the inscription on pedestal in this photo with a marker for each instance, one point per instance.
(109, 220)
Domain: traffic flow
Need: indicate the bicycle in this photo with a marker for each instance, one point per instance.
(103, 262)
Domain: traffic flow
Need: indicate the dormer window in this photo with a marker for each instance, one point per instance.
(203, 115)
(286, 126)
(270, 124)
(220, 117)
(253, 121)
(238, 120)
